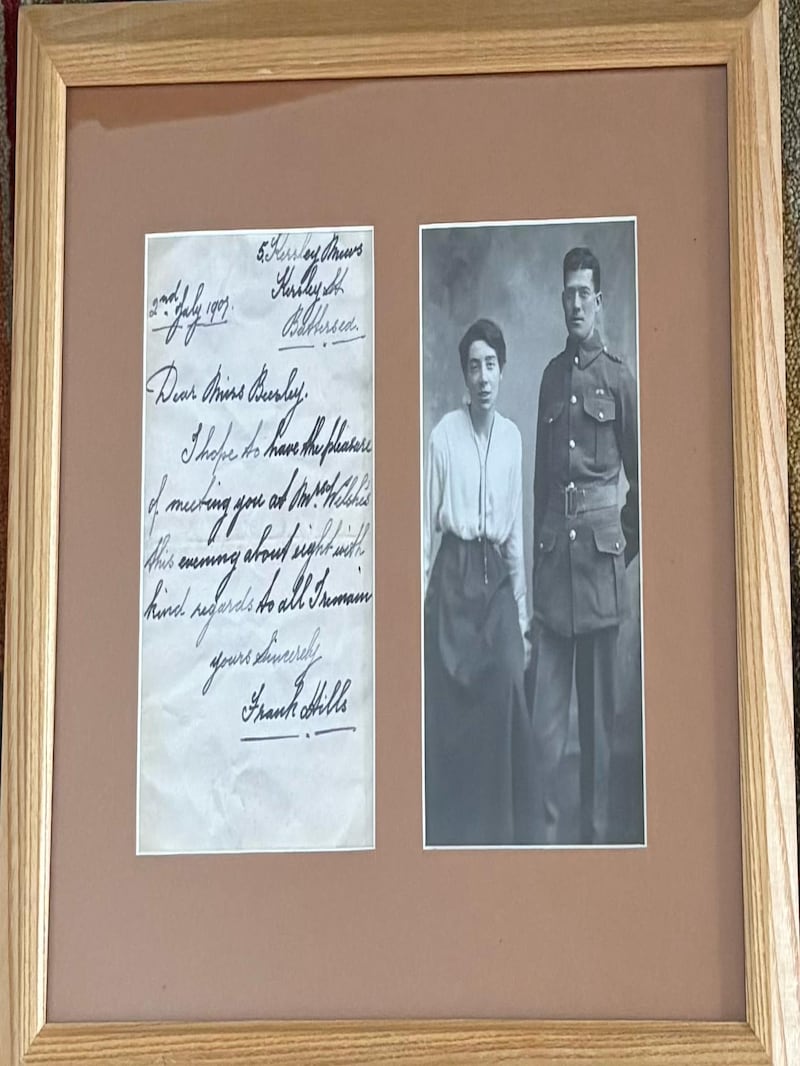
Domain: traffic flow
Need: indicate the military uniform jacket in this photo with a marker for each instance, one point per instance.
(586, 432)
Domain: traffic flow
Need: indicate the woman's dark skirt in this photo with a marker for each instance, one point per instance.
(477, 739)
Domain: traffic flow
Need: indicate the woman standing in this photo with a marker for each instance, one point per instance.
(475, 610)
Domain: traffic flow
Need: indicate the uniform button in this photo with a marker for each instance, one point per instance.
(616, 544)
(573, 398)
(572, 444)
(571, 485)
(576, 360)
(541, 545)
(572, 534)
(600, 415)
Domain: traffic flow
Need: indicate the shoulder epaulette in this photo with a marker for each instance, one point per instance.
(614, 358)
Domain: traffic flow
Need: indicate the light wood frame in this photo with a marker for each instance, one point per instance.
(252, 40)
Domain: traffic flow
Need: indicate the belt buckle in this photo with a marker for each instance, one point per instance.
(570, 501)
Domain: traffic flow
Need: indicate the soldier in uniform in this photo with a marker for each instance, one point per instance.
(583, 541)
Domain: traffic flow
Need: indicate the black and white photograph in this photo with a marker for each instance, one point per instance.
(533, 711)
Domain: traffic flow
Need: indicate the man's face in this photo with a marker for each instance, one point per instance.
(482, 376)
(581, 303)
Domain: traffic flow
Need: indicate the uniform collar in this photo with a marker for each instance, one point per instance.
(587, 351)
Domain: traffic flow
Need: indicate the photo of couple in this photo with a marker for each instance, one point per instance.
(532, 669)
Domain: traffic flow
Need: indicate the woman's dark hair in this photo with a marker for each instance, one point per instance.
(483, 330)
(582, 259)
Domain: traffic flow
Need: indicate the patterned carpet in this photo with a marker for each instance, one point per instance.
(790, 117)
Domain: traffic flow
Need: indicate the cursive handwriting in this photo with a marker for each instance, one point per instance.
(286, 247)
(288, 286)
(258, 485)
(315, 320)
(329, 698)
(187, 312)
(270, 655)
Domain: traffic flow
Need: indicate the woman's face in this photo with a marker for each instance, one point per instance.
(482, 376)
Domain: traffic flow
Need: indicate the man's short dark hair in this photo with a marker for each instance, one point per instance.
(483, 330)
(582, 259)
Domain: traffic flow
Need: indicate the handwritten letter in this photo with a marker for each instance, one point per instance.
(256, 649)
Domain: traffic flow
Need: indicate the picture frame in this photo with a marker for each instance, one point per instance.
(254, 40)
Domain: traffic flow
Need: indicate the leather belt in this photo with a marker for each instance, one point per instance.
(579, 499)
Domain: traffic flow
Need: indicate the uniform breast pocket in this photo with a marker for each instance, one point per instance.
(602, 412)
(610, 573)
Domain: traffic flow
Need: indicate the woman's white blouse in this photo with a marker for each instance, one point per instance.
(460, 500)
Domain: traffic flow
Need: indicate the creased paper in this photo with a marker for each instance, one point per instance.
(256, 649)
